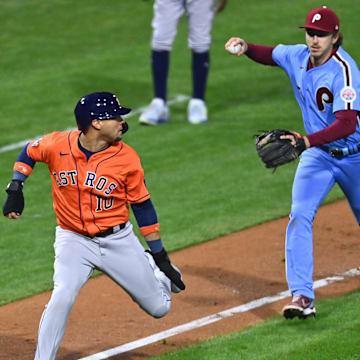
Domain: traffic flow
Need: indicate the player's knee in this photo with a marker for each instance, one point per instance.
(199, 48)
(161, 46)
(64, 297)
(200, 44)
(157, 307)
(160, 311)
(162, 42)
(302, 214)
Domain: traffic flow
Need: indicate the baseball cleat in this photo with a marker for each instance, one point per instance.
(156, 113)
(197, 111)
(300, 306)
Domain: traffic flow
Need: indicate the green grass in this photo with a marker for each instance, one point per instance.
(332, 335)
(205, 180)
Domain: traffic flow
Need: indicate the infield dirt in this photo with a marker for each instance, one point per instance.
(219, 274)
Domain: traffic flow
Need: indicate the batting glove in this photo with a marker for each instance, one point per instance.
(15, 198)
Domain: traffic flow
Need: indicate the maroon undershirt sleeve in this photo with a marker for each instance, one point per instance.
(344, 125)
(261, 54)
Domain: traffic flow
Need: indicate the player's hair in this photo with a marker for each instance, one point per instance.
(339, 40)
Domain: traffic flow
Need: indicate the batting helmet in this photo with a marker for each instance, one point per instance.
(98, 105)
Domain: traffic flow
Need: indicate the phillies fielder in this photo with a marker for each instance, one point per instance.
(95, 177)
(326, 84)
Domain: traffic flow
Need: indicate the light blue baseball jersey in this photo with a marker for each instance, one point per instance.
(323, 90)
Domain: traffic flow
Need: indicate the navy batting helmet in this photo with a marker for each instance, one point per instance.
(98, 105)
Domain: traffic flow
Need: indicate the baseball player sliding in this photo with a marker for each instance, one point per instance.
(326, 84)
(95, 177)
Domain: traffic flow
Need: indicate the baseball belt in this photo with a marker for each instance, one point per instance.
(342, 152)
(109, 231)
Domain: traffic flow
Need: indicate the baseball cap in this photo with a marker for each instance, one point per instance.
(98, 105)
(322, 19)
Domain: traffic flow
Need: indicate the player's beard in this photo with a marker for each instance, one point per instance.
(321, 57)
(118, 137)
(124, 129)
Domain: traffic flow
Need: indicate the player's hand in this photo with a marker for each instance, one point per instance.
(163, 262)
(296, 138)
(237, 41)
(12, 215)
(14, 203)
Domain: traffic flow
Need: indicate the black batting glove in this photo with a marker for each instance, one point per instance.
(15, 198)
(163, 262)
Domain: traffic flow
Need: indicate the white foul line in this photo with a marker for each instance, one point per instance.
(213, 318)
(21, 144)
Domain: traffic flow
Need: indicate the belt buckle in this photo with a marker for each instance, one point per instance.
(336, 152)
(119, 227)
(116, 229)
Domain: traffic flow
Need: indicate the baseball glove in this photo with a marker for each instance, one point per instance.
(275, 151)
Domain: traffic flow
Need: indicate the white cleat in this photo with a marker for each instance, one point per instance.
(197, 111)
(156, 113)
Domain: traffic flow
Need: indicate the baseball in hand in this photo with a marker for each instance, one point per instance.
(233, 49)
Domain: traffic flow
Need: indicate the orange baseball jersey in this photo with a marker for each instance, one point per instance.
(89, 196)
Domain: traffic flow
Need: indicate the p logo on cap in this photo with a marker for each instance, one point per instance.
(316, 17)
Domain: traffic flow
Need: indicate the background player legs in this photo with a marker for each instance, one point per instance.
(200, 70)
(165, 22)
(166, 17)
(160, 69)
(313, 181)
(201, 15)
